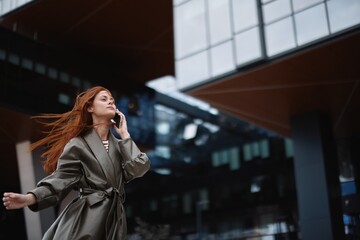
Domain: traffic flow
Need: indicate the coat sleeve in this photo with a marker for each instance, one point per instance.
(53, 188)
(136, 163)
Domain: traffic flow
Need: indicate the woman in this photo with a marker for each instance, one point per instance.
(85, 156)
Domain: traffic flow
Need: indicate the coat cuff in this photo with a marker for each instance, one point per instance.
(44, 198)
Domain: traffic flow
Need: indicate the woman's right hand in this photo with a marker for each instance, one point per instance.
(15, 200)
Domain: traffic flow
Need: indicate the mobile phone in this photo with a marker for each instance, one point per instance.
(116, 120)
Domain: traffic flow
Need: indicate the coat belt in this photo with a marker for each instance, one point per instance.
(94, 196)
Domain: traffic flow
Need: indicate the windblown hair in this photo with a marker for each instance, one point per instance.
(64, 127)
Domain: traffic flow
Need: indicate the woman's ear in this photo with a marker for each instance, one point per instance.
(90, 109)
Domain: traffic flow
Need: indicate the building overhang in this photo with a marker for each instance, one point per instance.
(322, 78)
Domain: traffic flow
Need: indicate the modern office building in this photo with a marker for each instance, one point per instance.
(248, 109)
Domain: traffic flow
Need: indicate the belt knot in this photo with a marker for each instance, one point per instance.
(94, 196)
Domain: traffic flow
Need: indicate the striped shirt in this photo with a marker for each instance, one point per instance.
(106, 144)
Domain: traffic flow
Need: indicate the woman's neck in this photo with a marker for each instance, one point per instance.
(102, 131)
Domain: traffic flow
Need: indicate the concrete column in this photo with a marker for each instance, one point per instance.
(47, 215)
(30, 172)
(317, 178)
(27, 182)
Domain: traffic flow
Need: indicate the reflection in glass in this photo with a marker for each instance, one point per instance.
(302, 4)
(163, 151)
(192, 70)
(245, 14)
(247, 45)
(219, 21)
(190, 131)
(276, 10)
(190, 28)
(222, 59)
(279, 36)
(311, 24)
(162, 127)
(343, 14)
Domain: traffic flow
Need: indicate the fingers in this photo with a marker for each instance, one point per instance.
(7, 200)
(122, 117)
(10, 200)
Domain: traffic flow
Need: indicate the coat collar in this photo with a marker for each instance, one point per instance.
(102, 156)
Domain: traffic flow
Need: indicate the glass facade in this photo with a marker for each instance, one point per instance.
(9, 5)
(218, 37)
(208, 181)
(24, 68)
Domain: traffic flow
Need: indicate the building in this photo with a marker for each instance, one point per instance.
(287, 66)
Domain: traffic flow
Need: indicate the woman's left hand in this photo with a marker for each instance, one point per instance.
(122, 130)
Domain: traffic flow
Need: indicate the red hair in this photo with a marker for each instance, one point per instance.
(65, 127)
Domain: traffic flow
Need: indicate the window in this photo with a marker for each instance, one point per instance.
(64, 77)
(343, 14)
(219, 21)
(279, 36)
(64, 98)
(190, 28)
(40, 68)
(311, 24)
(302, 4)
(52, 73)
(193, 69)
(276, 10)
(27, 64)
(14, 59)
(222, 59)
(248, 46)
(289, 148)
(245, 14)
(264, 148)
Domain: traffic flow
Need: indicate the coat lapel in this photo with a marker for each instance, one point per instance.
(103, 158)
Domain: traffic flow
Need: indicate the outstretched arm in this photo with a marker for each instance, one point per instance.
(15, 200)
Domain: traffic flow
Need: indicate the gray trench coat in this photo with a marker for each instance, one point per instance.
(99, 176)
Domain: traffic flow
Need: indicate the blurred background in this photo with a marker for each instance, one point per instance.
(248, 110)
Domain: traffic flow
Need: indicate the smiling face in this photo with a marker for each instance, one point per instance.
(103, 107)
